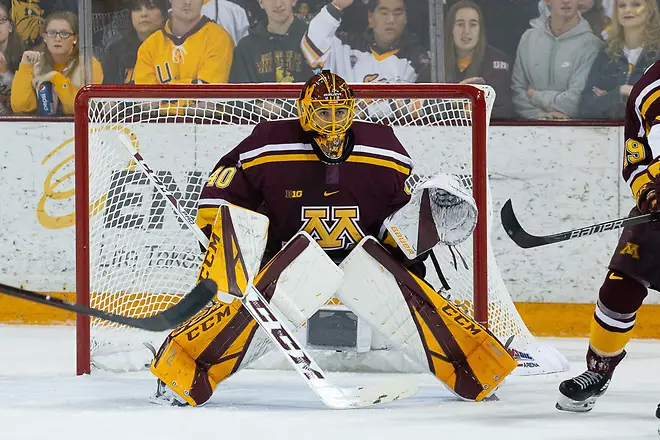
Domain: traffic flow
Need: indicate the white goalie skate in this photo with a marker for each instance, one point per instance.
(164, 396)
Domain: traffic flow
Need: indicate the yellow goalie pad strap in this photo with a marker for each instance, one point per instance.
(421, 323)
(607, 342)
(236, 246)
(198, 355)
(206, 217)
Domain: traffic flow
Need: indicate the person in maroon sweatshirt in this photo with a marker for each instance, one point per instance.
(469, 59)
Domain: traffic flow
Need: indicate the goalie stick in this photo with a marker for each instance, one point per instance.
(332, 396)
(169, 318)
(526, 240)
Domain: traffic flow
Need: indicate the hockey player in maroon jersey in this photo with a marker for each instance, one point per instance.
(635, 265)
(333, 189)
(322, 168)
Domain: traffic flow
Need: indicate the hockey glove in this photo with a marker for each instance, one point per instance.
(648, 197)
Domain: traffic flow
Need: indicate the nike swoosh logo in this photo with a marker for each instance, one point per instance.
(329, 193)
(615, 277)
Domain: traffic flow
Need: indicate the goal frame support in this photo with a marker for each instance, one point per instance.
(265, 91)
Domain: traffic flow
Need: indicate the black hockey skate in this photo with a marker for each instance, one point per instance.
(580, 393)
(657, 414)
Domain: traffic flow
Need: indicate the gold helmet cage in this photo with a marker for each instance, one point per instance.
(327, 107)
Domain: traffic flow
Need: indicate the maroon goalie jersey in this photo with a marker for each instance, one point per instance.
(642, 137)
(276, 170)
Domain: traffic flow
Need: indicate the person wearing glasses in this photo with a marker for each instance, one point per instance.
(11, 50)
(55, 69)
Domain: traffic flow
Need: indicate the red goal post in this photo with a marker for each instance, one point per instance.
(478, 113)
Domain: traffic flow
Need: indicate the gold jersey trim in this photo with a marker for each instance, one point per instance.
(308, 157)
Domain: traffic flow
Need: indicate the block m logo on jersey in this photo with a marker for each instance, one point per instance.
(333, 228)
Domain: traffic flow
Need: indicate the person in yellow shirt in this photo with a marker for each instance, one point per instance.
(57, 63)
(189, 49)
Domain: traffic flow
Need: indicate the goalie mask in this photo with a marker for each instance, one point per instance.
(326, 107)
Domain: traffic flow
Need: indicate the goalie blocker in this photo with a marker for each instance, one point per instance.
(298, 281)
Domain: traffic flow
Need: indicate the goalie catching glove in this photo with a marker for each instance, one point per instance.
(441, 210)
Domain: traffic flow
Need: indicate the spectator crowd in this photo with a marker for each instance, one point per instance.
(545, 59)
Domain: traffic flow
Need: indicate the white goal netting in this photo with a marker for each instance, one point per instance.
(143, 260)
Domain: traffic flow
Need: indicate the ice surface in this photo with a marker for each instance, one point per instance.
(41, 398)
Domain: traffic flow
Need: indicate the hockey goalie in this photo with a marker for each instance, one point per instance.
(328, 209)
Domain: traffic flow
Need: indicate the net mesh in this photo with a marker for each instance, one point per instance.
(143, 259)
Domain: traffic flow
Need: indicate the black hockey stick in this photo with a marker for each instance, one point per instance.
(441, 276)
(169, 318)
(525, 240)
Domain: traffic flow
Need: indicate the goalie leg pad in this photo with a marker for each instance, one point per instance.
(198, 355)
(236, 246)
(299, 279)
(467, 358)
(224, 338)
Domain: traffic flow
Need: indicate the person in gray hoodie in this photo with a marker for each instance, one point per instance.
(552, 64)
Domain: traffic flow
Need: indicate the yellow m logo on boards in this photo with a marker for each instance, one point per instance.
(333, 228)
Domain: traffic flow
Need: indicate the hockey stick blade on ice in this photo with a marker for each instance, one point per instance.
(332, 396)
(526, 240)
(169, 318)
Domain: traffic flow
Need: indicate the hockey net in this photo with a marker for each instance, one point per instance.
(135, 258)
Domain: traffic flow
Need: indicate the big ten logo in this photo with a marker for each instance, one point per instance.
(55, 208)
(335, 228)
(293, 194)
